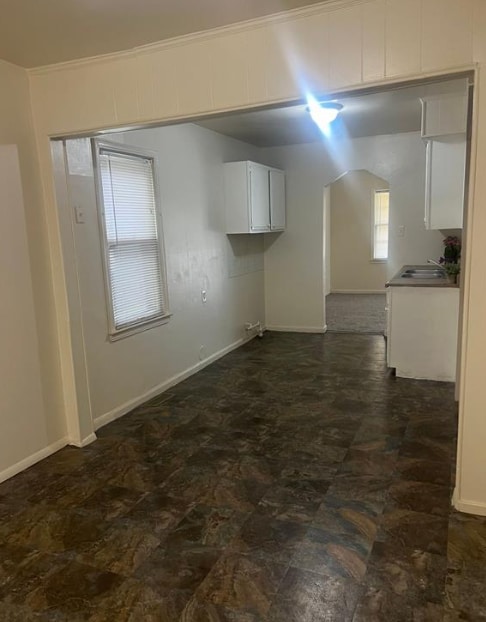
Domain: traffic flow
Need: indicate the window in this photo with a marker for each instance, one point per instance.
(133, 255)
(380, 225)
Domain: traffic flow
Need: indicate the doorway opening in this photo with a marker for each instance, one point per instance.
(217, 283)
(357, 206)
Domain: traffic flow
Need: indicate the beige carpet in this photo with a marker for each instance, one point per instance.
(355, 313)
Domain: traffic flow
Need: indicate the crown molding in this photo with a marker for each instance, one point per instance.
(7, 63)
(328, 6)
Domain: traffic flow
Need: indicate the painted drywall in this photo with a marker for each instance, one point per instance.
(293, 262)
(337, 45)
(327, 273)
(22, 422)
(199, 257)
(351, 234)
(32, 413)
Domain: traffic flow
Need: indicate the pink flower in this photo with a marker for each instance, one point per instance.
(452, 240)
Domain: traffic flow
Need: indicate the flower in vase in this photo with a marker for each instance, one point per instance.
(452, 250)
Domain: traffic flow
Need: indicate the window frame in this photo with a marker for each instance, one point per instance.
(114, 333)
(373, 226)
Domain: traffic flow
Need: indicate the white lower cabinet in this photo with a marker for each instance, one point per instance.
(422, 332)
(387, 312)
(254, 198)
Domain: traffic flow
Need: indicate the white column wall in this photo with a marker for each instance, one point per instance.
(32, 414)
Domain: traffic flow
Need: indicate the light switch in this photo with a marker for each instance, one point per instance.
(79, 215)
(204, 296)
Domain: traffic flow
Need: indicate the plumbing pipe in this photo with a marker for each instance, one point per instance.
(257, 325)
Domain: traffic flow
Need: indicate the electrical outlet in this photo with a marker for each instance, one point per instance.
(204, 295)
(202, 353)
(401, 231)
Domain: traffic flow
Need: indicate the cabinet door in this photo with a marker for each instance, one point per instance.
(259, 198)
(444, 114)
(444, 198)
(277, 200)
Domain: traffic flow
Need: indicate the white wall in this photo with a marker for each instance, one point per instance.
(327, 274)
(31, 412)
(351, 233)
(293, 262)
(199, 256)
(22, 424)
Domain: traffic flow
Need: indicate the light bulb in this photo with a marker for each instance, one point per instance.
(323, 114)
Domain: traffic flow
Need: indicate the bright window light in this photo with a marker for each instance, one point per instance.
(134, 259)
(381, 214)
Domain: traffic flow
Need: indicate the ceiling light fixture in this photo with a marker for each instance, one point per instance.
(323, 113)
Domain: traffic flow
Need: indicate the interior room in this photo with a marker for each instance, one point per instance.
(238, 271)
(243, 348)
(359, 205)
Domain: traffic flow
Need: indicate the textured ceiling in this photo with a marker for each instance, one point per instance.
(40, 32)
(385, 112)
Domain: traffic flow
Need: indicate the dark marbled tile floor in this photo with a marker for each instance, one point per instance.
(293, 480)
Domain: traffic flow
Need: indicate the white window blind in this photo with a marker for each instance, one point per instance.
(380, 224)
(132, 247)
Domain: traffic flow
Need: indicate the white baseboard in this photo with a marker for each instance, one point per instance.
(123, 409)
(297, 329)
(358, 291)
(468, 507)
(405, 373)
(86, 441)
(33, 459)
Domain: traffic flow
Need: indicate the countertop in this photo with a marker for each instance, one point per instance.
(397, 280)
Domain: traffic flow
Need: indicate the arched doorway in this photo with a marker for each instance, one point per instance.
(356, 252)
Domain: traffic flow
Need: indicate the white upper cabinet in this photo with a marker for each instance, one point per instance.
(277, 199)
(444, 114)
(259, 205)
(254, 198)
(444, 183)
(444, 126)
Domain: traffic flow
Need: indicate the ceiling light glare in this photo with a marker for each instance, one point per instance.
(323, 113)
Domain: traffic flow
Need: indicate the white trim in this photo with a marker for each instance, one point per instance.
(298, 329)
(125, 408)
(123, 333)
(358, 291)
(236, 27)
(86, 441)
(470, 213)
(269, 102)
(468, 507)
(32, 459)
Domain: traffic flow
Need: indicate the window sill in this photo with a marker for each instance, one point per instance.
(138, 328)
(378, 260)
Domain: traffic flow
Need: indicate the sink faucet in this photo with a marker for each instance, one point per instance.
(436, 263)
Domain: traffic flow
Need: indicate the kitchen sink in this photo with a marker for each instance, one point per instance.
(425, 271)
(428, 275)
